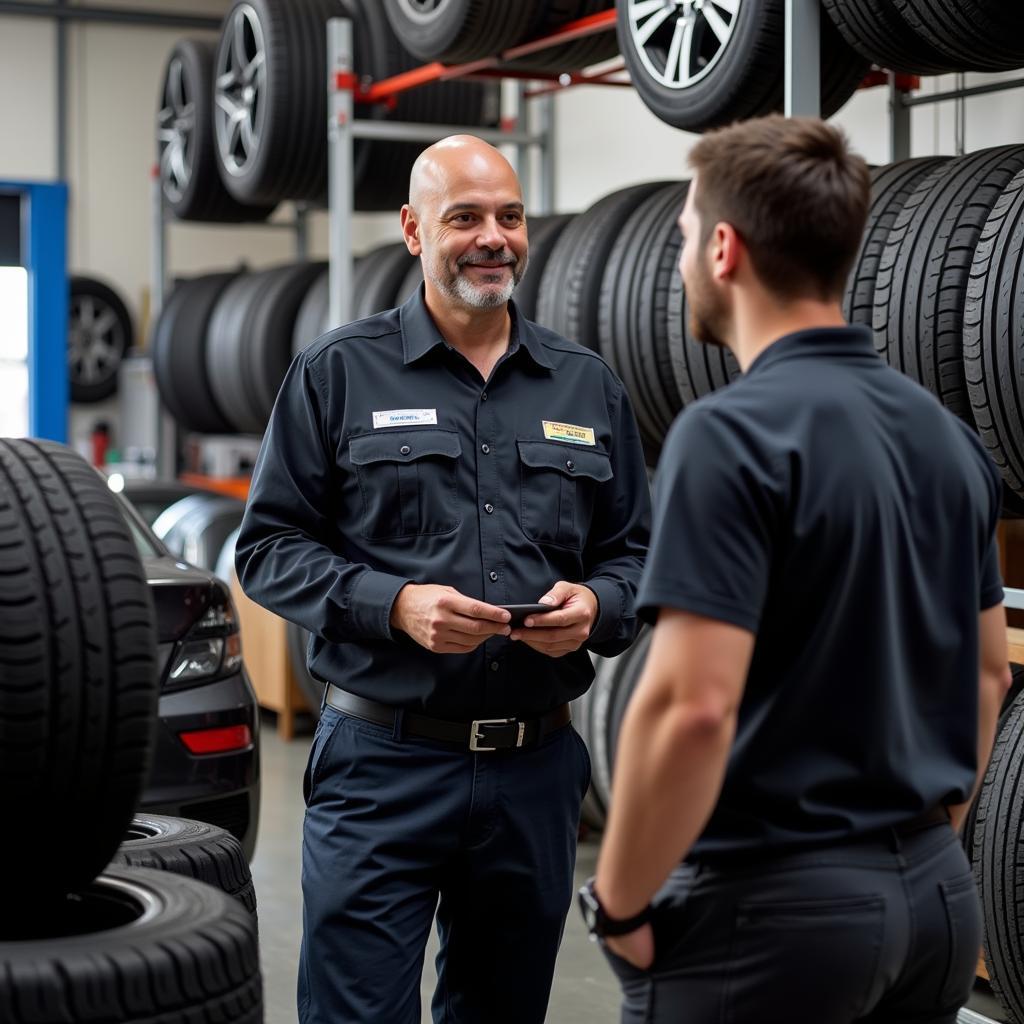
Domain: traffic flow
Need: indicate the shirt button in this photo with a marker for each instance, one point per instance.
(405, 449)
(488, 509)
(483, 397)
(485, 448)
(493, 575)
(495, 666)
(570, 465)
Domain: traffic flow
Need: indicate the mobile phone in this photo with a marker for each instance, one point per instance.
(520, 611)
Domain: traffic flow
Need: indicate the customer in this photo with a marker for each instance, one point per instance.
(812, 719)
(422, 468)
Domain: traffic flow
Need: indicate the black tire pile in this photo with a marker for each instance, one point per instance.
(83, 937)
(459, 31)
(242, 125)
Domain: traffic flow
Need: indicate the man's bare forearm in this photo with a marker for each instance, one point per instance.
(668, 772)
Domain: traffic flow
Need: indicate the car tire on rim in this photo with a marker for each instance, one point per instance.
(99, 335)
(135, 946)
(78, 671)
(702, 68)
(186, 148)
(190, 848)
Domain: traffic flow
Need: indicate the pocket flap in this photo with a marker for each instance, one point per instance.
(403, 446)
(570, 460)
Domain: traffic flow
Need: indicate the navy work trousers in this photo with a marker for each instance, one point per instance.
(876, 932)
(398, 827)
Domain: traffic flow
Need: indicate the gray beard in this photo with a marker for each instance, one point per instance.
(461, 290)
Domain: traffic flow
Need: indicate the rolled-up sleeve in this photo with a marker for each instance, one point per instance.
(617, 544)
(285, 557)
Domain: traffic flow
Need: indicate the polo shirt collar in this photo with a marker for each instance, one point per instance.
(851, 341)
(420, 334)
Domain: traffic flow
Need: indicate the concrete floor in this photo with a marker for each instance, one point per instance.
(584, 990)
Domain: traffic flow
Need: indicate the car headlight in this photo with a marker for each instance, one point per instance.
(212, 647)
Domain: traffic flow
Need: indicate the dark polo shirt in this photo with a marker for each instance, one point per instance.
(388, 459)
(831, 506)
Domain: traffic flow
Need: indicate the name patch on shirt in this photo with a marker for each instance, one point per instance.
(403, 418)
(568, 432)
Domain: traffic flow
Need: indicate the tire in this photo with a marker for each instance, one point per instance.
(311, 321)
(976, 35)
(99, 334)
(224, 567)
(196, 528)
(410, 283)
(312, 689)
(544, 233)
(378, 278)
(999, 862)
(249, 342)
(592, 811)
(179, 354)
(78, 670)
(877, 31)
(991, 341)
(624, 692)
(453, 31)
(891, 186)
(570, 287)
(552, 15)
(923, 272)
(734, 73)
(697, 368)
(186, 148)
(136, 946)
(193, 849)
(270, 131)
(633, 312)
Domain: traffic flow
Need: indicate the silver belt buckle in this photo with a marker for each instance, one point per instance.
(474, 735)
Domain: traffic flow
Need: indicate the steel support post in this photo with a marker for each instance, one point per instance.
(302, 232)
(166, 427)
(899, 122)
(803, 58)
(340, 173)
(546, 113)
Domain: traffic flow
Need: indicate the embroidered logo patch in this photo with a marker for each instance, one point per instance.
(403, 418)
(568, 432)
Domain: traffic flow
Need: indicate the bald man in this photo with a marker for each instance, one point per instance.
(423, 469)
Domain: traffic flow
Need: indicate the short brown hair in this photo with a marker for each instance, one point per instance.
(796, 195)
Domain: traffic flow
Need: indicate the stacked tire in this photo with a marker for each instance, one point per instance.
(81, 940)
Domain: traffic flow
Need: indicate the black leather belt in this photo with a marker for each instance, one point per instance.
(480, 735)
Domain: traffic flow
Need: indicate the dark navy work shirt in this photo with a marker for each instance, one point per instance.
(831, 506)
(388, 459)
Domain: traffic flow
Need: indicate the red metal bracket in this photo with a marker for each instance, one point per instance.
(388, 88)
(905, 83)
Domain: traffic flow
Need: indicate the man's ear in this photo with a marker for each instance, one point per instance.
(726, 247)
(411, 230)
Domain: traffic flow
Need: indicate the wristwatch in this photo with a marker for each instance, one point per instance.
(599, 924)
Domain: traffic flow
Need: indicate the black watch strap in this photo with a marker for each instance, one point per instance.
(599, 923)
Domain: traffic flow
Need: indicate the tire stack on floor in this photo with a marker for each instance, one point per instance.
(82, 938)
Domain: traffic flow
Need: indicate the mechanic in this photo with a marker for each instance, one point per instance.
(829, 658)
(423, 467)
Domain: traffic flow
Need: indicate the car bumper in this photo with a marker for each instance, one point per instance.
(222, 788)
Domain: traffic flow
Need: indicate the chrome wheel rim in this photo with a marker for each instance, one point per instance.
(96, 340)
(176, 122)
(239, 93)
(680, 41)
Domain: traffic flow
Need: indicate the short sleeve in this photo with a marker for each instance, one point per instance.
(716, 504)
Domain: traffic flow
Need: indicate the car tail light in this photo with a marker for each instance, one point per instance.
(211, 648)
(217, 741)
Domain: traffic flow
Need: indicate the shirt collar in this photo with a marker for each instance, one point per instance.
(850, 341)
(420, 334)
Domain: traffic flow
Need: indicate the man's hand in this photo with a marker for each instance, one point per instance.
(636, 948)
(444, 621)
(565, 629)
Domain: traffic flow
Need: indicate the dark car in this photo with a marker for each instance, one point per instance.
(206, 761)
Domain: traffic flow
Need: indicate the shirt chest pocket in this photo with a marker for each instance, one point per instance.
(408, 482)
(559, 486)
